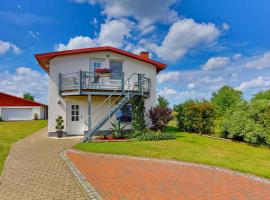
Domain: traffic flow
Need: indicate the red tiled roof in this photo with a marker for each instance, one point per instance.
(44, 58)
(10, 100)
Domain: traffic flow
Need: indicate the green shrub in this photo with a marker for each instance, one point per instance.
(195, 116)
(150, 135)
(138, 110)
(247, 123)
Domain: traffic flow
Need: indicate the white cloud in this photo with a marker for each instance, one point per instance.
(237, 56)
(225, 26)
(34, 35)
(8, 46)
(76, 43)
(170, 76)
(258, 83)
(184, 35)
(149, 11)
(216, 63)
(259, 62)
(112, 33)
(25, 79)
(168, 92)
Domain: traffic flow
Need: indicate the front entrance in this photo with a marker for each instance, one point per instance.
(75, 119)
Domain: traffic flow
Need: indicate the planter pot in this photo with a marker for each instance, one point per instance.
(59, 134)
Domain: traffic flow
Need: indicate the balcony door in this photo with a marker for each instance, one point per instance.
(116, 69)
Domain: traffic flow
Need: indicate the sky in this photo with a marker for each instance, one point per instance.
(206, 44)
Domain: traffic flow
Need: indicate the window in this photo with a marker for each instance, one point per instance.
(124, 114)
(96, 63)
(75, 113)
(116, 69)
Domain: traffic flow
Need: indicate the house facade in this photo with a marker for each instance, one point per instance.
(13, 108)
(92, 87)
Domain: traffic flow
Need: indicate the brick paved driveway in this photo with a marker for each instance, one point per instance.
(35, 170)
(125, 178)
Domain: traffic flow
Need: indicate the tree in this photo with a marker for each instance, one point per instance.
(162, 102)
(225, 98)
(262, 95)
(28, 96)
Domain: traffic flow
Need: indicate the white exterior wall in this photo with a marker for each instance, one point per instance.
(35, 109)
(74, 63)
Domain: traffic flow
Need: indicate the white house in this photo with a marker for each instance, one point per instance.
(91, 87)
(13, 108)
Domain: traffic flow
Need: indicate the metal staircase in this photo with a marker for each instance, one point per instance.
(134, 85)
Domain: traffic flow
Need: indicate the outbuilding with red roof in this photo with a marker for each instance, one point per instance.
(13, 108)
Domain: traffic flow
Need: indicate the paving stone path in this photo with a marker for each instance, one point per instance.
(129, 178)
(34, 170)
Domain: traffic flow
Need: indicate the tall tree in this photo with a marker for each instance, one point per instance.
(262, 95)
(225, 98)
(28, 96)
(162, 102)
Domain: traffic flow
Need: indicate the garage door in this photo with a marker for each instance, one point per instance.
(17, 114)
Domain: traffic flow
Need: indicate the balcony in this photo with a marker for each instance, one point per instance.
(85, 82)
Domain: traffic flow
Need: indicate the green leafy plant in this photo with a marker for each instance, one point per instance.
(150, 135)
(59, 126)
(226, 98)
(195, 116)
(138, 110)
(118, 129)
(162, 102)
(36, 116)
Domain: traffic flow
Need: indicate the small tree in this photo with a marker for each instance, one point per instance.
(138, 109)
(162, 102)
(160, 117)
(226, 98)
(28, 96)
(59, 126)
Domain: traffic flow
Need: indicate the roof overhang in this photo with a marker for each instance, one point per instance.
(44, 58)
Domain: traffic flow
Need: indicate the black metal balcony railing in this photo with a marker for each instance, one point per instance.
(85, 80)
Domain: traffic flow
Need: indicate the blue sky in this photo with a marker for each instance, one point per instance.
(206, 44)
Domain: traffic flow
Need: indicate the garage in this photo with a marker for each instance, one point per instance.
(10, 114)
(13, 108)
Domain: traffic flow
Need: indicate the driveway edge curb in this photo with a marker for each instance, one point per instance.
(89, 190)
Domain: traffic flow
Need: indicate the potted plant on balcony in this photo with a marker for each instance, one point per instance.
(103, 71)
(59, 126)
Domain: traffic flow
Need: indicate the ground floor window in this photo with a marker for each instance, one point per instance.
(124, 114)
(75, 113)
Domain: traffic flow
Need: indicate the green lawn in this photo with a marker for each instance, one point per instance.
(193, 148)
(11, 132)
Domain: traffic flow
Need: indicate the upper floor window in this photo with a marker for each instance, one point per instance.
(116, 69)
(97, 63)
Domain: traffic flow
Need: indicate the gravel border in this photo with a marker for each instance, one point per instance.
(210, 167)
(89, 190)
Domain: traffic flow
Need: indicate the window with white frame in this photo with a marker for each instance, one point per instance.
(75, 113)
